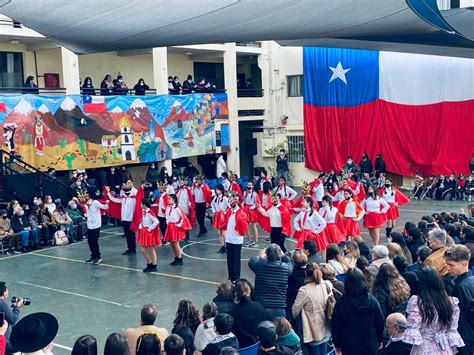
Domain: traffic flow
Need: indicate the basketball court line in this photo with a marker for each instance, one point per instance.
(62, 346)
(73, 294)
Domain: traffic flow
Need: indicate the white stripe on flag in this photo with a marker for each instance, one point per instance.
(98, 99)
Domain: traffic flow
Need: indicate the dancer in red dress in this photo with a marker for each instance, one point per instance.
(351, 212)
(186, 202)
(178, 224)
(287, 193)
(309, 225)
(234, 187)
(219, 206)
(250, 203)
(374, 218)
(395, 199)
(159, 207)
(305, 191)
(265, 197)
(148, 235)
(334, 231)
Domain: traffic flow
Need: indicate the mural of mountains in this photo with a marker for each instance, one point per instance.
(140, 116)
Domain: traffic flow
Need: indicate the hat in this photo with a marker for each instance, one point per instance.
(34, 332)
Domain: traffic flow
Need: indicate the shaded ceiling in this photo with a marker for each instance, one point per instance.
(90, 26)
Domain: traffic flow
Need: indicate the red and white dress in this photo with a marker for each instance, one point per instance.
(309, 226)
(334, 231)
(160, 205)
(148, 231)
(287, 195)
(250, 202)
(392, 195)
(186, 202)
(266, 203)
(317, 190)
(219, 206)
(177, 224)
(296, 206)
(374, 216)
(351, 212)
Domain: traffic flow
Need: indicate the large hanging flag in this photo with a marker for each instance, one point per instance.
(416, 110)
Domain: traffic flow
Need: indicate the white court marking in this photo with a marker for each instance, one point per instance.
(74, 294)
(62, 347)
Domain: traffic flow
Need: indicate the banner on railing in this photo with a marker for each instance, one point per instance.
(78, 132)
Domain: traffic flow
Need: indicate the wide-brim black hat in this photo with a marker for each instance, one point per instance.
(34, 332)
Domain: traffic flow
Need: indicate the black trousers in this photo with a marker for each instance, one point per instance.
(277, 237)
(163, 226)
(233, 252)
(201, 216)
(129, 235)
(93, 241)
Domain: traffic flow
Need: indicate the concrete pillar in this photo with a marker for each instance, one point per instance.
(71, 79)
(230, 78)
(160, 70)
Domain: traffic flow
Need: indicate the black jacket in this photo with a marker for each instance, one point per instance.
(365, 251)
(380, 166)
(188, 337)
(19, 223)
(464, 292)
(397, 348)
(223, 305)
(215, 348)
(140, 90)
(383, 296)
(279, 350)
(365, 166)
(357, 325)
(114, 179)
(247, 316)
(282, 163)
(413, 247)
(295, 281)
(412, 280)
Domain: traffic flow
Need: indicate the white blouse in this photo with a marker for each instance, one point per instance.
(351, 211)
(250, 197)
(313, 222)
(173, 214)
(220, 204)
(389, 195)
(318, 192)
(183, 200)
(373, 206)
(329, 214)
(149, 221)
(161, 206)
(286, 192)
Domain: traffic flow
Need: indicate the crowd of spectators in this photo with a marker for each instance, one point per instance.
(189, 87)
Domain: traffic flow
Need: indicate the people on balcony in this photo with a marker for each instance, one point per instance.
(140, 88)
(88, 87)
(30, 87)
(120, 87)
(188, 85)
(107, 86)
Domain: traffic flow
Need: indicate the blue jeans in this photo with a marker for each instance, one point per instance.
(25, 236)
(272, 313)
(70, 232)
(316, 349)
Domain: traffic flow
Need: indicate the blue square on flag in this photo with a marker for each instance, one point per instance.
(340, 77)
(87, 99)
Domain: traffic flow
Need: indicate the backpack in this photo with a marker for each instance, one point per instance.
(60, 238)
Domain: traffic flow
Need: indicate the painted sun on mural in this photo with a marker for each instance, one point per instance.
(78, 132)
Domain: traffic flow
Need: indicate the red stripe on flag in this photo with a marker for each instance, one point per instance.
(95, 108)
(3, 108)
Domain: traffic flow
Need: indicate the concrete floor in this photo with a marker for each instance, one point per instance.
(102, 299)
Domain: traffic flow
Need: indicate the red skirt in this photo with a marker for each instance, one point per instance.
(374, 220)
(392, 212)
(287, 203)
(252, 214)
(352, 227)
(218, 220)
(149, 239)
(319, 239)
(333, 234)
(174, 233)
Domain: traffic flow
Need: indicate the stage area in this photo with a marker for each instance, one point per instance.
(99, 300)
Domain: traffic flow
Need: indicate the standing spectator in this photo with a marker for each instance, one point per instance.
(391, 290)
(236, 220)
(107, 86)
(120, 87)
(170, 86)
(223, 324)
(7, 234)
(190, 171)
(351, 253)
(335, 259)
(468, 241)
(114, 179)
(163, 176)
(221, 166)
(185, 324)
(363, 265)
(409, 276)
(457, 260)
(147, 325)
(380, 257)
(178, 88)
(282, 165)
(380, 167)
(11, 313)
(88, 87)
(78, 219)
(311, 302)
(205, 332)
(437, 243)
(248, 314)
(188, 85)
(432, 317)
(330, 275)
(125, 175)
(152, 174)
(148, 344)
(272, 270)
(357, 322)
(350, 167)
(416, 242)
(396, 324)
(21, 225)
(365, 165)
(30, 87)
(201, 85)
(140, 88)
(268, 337)
(363, 248)
(225, 297)
(296, 279)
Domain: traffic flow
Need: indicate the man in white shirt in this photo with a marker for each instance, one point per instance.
(280, 221)
(94, 222)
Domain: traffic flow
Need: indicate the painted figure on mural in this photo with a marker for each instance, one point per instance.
(40, 133)
(9, 134)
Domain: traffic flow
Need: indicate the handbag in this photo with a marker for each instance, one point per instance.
(60, 238)
(330, 303)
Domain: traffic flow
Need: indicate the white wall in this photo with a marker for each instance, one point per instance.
(180, 65)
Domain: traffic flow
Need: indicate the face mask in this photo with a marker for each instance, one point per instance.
(97, 193)
(153, 167)
(50, 201)
(21, 213)
(388, 186)
(141, 84)
(349, 161)
(282, 155)
(120, 81)
(469, 179)
(165, 171)
(78, 183)
(112, 169)
(275, 203)
(74, 206)
(348, 198)
(249, 188)
(451, 178)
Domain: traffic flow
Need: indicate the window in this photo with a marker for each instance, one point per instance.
(296, 149)
(11, 69)
(295, 85)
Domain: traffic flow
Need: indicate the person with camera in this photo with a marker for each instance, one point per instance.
(11, 313)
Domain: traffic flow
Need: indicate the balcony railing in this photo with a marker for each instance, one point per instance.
(109, 92)
(249, 92)
(28, 90)
(246, 113)
(249, 44)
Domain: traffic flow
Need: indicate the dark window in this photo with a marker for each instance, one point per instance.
(11, 69)
(295, 85)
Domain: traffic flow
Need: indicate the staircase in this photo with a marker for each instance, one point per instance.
(22, 181)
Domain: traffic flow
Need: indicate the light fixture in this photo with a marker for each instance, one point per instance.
(14, 41)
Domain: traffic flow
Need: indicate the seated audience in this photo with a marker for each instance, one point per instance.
(186, 322)
(7, 235)
(148, 344)
(286, 335)
(267, 336)
(437, 243)
(205, 331)
(21, 225)
(225, 297)
(311, 250)
(78, 219)
(64, 222)
(85, 345)
(395, 325)
(174, 345)
(116, 344)
(223, 323)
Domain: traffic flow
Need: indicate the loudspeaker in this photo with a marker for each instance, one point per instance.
(251, 146)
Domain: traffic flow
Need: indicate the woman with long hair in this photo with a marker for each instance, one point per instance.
(265, 197)
(351, 253)
(391, 290)
(116, 344)
(107, 86)
(335, 259)
(286, 335)
(375, 209)
(334, 231)
(363, 265)
(87, 87)
(85, 345)
(432, 317)
(205, 332)
(357, 322)
(351, 212)
(219, 206)
(148, 235)
(311, 303)
(400, 240)
(394, 250)
(186, 323)
(148, 344)
(309, 226)
(176, 226)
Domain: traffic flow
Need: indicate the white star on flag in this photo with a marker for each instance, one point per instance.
(339, 73)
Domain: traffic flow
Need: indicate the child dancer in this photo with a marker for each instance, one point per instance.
(374, 217)
(219, 206)
(395, 199)
(334, 231)
(351, 212)
(250, 203)
(148, 235)
(177, 225)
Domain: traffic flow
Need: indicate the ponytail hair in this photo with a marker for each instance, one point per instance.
(313, 274)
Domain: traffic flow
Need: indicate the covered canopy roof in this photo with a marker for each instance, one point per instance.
(90, 26)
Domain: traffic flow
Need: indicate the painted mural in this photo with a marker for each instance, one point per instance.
(78, 132)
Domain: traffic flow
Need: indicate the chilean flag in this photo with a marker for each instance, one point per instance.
(416, 110)
(94, 104)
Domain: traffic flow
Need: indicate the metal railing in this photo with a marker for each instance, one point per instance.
(29, 90)
(110, 92)
(249, 44)
(249, 92)
(246, 113)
